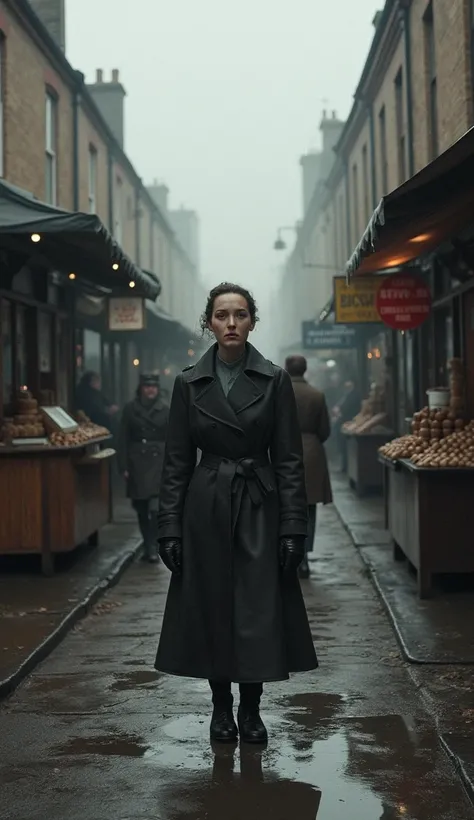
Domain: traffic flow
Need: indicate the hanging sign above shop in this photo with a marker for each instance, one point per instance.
(126, 313)
(404, 301)
(355, 303)
(324, 336)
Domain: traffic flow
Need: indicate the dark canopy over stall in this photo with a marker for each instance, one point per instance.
(69, 242)
(431, 207)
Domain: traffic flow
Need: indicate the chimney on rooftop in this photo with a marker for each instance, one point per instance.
(52, 14)
(109, 98)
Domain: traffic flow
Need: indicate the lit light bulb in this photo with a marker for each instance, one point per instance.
(35, 237)
(115, 266)
(72, 276)
(131, 284)
(136, 362)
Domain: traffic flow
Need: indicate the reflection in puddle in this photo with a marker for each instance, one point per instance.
(373, 768)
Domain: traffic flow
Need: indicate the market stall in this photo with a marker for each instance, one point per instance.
(429, 482)
(54, 481)
(365, 434)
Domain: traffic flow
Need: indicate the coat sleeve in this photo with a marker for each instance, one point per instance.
(324, 424)
(178, 466)
(123, 440)
(286, 453)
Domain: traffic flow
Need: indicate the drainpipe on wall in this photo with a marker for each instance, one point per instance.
(348, 209)
(373, 164)
(110, 161)
(137, 226)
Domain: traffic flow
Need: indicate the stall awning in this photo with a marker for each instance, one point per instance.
(415, 218)
(69, 242)
(169, 330)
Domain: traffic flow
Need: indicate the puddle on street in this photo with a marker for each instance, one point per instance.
(130, 680)
(120, 745)
(373, 768)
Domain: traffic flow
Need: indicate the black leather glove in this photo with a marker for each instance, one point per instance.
(171, 553)
(291, 553)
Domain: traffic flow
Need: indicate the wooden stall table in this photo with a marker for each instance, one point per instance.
(364, 470)
(53, 498)
(430, 518)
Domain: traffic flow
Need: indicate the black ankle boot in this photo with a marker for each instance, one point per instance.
(223, 727)
(251, 726)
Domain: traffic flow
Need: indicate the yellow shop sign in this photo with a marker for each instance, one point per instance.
(356, 303)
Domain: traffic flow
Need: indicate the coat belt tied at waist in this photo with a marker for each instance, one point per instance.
(233, 475)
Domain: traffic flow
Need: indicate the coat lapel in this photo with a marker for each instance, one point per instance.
(246, 391)
(210, 398)
(249, 388)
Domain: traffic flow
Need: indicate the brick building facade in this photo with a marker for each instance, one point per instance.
(414, 99)
(62, 141)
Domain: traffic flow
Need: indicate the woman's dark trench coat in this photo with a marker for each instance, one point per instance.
(232, 615)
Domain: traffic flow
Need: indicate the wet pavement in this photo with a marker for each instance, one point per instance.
(96, 734)
(36, 612)
(439, 630)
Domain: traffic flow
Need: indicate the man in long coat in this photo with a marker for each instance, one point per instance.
(315, 429)
(141, 448)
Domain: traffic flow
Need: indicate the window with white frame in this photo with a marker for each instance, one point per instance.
(92, 180)
(2, 95)
(50, 150)
(118, 210)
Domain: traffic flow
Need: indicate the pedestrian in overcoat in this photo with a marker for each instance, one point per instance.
(315, 428)
(233, 525)
(141, 450)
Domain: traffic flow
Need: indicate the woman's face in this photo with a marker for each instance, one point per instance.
(231, 322)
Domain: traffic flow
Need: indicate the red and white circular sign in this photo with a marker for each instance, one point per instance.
(403, 301)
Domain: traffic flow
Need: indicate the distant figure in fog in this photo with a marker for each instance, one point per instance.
(344, 410)
(92, 401)
(141, 451)
(315, 428)
(233, 526)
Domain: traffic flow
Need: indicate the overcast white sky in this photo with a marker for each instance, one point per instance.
(223, 98)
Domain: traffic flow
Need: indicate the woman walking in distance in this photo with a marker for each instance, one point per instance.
(233, 526)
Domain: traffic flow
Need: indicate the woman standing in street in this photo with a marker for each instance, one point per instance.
(233, 526)
(140, 451)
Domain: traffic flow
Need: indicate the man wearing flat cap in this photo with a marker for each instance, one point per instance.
(141, 450)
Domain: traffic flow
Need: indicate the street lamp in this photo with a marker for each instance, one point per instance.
(280, 244)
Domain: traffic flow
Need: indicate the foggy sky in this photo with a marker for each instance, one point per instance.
(223, 98)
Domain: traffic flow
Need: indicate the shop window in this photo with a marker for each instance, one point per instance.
(92, 351)
(2, 97)
(355, 202)
(383, 151)
(118, 211)
(50, 150)
(431, 79)
(400, 125)
(366, 183)
(92, 180)
(7, 353)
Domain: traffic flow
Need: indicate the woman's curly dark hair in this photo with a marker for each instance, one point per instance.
(220, 290)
